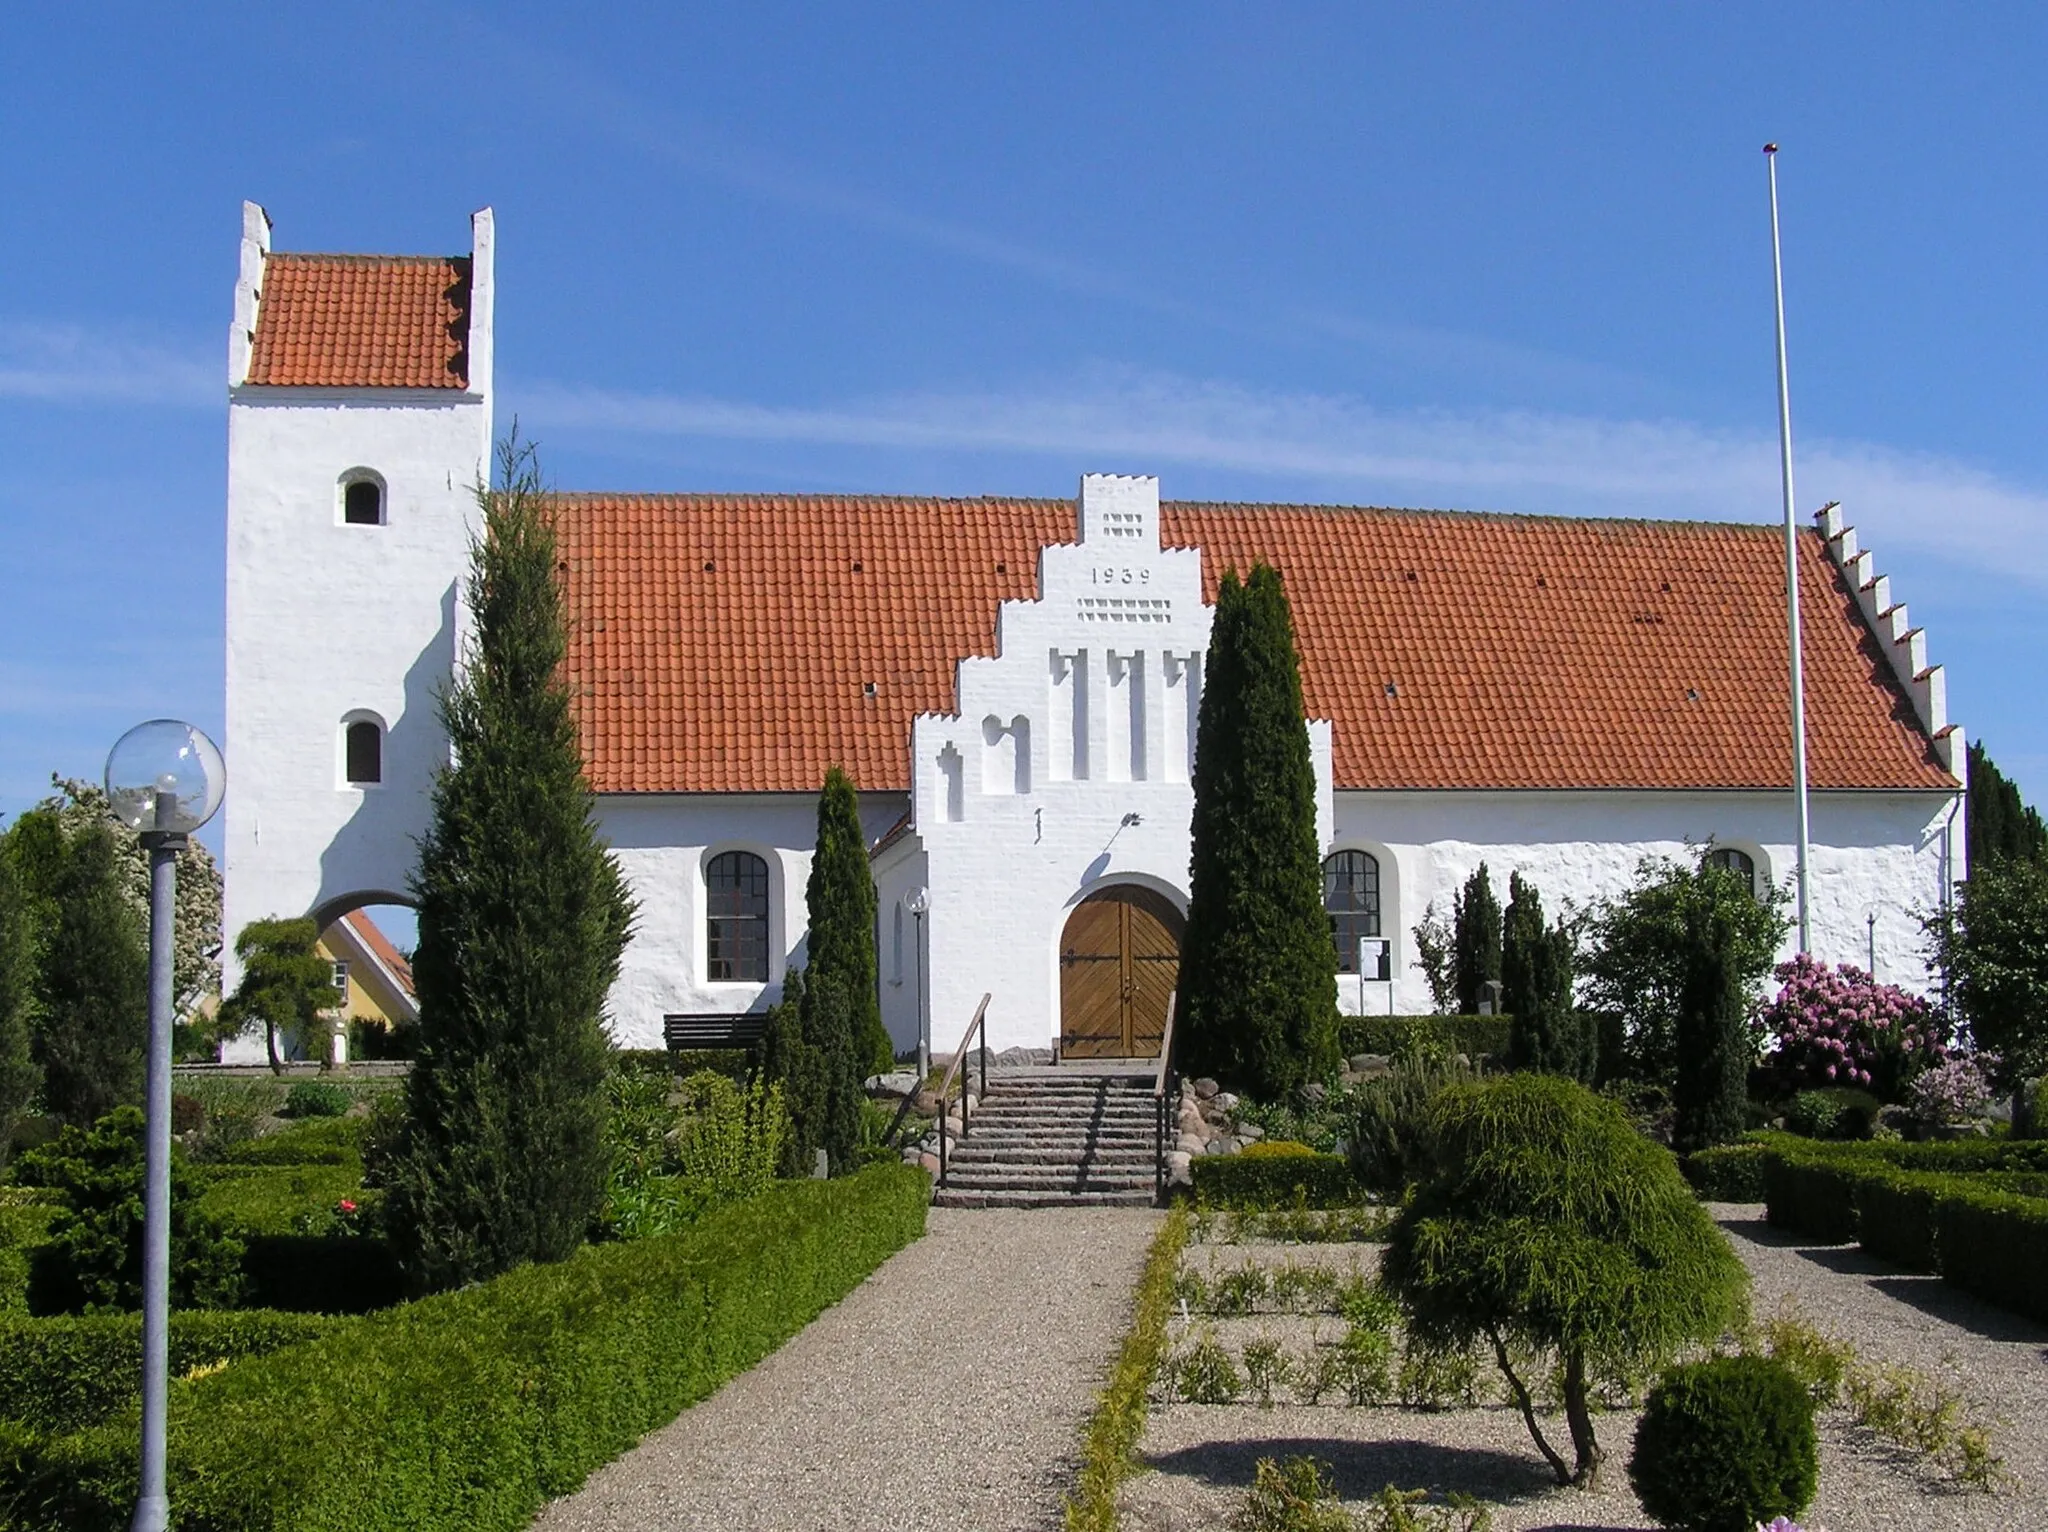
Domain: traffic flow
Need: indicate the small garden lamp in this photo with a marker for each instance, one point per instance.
(917, 901)
(164, 780)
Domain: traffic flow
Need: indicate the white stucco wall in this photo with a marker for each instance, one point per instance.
(663, 843)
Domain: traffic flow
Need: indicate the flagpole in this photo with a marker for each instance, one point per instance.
(1791, 568)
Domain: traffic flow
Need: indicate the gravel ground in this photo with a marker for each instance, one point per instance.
(1204, 1455)
(949, 1389)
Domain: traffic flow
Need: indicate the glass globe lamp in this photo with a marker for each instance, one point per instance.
(165, 777)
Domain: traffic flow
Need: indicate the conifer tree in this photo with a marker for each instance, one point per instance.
(840, 899)
(1547, 1033)
(285, 986)
(1258, 977)
(523, 917)
(788, 1059)
(2001, 824)
(1476, 936)
(828, 1023)
(1714, 1050)
(19, 1076)
(91, 983)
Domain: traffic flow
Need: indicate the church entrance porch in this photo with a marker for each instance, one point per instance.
(1119, 962)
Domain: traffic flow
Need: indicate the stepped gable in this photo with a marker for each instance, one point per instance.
(362, 321)
(736, 643)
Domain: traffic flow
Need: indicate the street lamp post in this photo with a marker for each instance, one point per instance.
(917, 902)
(164, 780)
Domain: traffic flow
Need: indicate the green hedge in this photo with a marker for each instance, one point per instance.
(320, 1141)
(23, 1226)
(1261, 1182)
(468, 1410)
(1995, 1244)
(283, 1199)
(67, 1373)
(1470, 1035)
(1813, 1194)
(1730, 1173)
(320, 1274)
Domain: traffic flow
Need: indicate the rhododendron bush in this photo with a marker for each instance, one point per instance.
(1839, 1026)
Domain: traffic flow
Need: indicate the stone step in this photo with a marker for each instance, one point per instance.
(1029, 1138)
(1045, 1178)
(949, 1197)
(970, 1153)
(1008, 1112)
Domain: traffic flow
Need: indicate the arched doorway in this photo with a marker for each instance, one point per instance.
(1119, 962)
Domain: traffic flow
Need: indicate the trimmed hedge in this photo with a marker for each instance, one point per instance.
(321, 1274)
(1469, 1035)
(468, 1410)
(23, 1227)
(67, 1373)
(286, 1199)
(1995, 1244)
(1275, 1181)
(1813, 1194)
(1728, 1173)
(319, 1141)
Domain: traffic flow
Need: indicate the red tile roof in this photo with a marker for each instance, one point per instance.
(725, 643)
(363, 321)
(374, 940)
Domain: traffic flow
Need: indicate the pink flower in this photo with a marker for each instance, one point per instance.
(347, 1206)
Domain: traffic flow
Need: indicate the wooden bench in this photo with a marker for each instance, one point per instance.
(729, 1029)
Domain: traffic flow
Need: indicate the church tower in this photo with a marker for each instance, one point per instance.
(359, 425)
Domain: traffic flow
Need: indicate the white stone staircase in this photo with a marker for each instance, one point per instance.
(1056, 1137)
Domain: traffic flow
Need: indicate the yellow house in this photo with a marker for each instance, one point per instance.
(372, 979)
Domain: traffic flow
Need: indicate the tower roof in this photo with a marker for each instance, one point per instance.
(363, 321)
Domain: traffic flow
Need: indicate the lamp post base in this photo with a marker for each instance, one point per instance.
(152, 1514)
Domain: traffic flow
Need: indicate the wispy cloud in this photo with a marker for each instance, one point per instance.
(1343, 448)
(79, 364)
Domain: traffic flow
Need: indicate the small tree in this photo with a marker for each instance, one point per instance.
(788, 1060)
(1476, 934)
(828, 1012)
(1715, 1048)
(1258, 976)
(1553, 1230)
(1644, 944)
(19, 1076)
(286, 986)
(91, 995)
(840, 899)
(1436, 946)
(1995, 951)
(1548, 1033)
(524, 916)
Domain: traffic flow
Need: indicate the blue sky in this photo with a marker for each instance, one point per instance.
(1501, 258)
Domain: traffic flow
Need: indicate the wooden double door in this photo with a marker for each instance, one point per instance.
(1119, 962)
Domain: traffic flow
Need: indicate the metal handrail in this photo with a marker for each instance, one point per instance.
(980, 1023)
(1162, 1107)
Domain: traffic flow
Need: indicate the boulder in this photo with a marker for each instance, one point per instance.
(1205, 1088)
(1179, 1169)
(931, 1161)
(1220, 1146)
(1315, 1090)
(1224, 1101)
(894, 1083)
(1250, 1132)
(1370, 1063)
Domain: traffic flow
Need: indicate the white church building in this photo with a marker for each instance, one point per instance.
(1013, 686)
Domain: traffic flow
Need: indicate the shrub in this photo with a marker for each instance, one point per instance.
(315, 1098)
(322, 1141)
(1474, 1036)
(63, 1374)
(1388, 1139)
(93, 1258)
(24, 1226)
(1725, 1444)
(284, 1199)
(732, 1138)
(1276, 1149)
(1955, 1090)
(1275, 1181)
(1726, 1173)
(1475, 939)
(1814, 1195)
(188, 1113)
(1995, 1244)
(468, 1410)
(1291, 1498)
(1841, 1027)
(1838, 1112)
(1549, 1227)
(1548, 1034)
(1714, 1049)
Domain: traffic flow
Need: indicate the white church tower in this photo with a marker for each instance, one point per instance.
(359, 424)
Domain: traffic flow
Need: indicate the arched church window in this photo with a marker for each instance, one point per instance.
(1740, 862)
(362, 501)
(736, 930)
(1351, 895)
(362, 753)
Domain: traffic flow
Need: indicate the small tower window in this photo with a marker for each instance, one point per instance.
(363, 753)
(1737, 862)
(362, 503)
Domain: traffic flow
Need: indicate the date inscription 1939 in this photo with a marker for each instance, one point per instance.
(1118, 574)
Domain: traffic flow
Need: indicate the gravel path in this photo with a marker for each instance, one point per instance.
(947, 1390)
(1204, 1454)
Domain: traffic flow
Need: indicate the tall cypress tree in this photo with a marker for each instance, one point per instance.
(523, 917)
(19, 1076)
(1712, 1085)
(1548, 1034)
(2001, 825)
(788, 1059)
(1476, 938)
(840, 899)
(1258, 976)
(91, 983)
